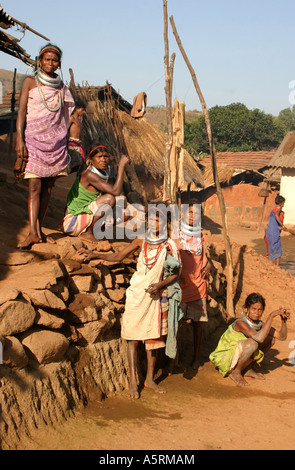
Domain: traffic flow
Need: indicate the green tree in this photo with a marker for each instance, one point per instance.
(286, 119)
(195, 137)
(265, 134)
(235, 128)
(230, 127)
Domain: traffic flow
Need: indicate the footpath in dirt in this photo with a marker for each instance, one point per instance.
(200, 411)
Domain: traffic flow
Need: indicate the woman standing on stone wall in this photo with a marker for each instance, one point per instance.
(41, 137)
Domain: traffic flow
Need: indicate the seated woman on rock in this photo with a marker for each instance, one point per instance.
(247, 340)
(91, 196)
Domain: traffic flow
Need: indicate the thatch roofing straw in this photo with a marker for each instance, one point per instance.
(225, 173)
(285, 154)
(146, 146)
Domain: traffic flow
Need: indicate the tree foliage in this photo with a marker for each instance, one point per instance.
(236, 128)
(286, 119)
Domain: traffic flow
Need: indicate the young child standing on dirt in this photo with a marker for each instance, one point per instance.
(247, 340)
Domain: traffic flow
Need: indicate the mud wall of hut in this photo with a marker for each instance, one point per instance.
(243, 204)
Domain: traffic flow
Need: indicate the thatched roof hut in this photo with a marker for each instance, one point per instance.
(144, 142)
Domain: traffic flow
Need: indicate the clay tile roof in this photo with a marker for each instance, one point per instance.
(284, 157)
(242, 160)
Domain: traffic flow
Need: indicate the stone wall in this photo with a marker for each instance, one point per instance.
(60, 332)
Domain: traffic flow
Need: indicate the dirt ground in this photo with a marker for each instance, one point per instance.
(202, 411)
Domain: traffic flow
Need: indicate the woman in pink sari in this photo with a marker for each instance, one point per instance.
(41, 135)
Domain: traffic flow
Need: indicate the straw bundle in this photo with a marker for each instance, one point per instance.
(225, 173)
(146, 146)
(289, 146)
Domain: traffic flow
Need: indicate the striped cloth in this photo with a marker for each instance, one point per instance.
(74, 225)
(158, 343)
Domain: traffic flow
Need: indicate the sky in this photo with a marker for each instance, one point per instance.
(241, 51)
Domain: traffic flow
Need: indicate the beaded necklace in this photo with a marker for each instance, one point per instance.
(150, 262)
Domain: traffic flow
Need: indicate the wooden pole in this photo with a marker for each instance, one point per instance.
(263, 207)
(229, 276)
(25, 26)
(72, 83)
(12, 108)
(168, 93)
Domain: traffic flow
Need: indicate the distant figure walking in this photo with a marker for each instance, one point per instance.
(273, 231)
(44, 111)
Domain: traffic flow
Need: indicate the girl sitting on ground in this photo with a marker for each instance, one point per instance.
(91, 196)
(247, 340)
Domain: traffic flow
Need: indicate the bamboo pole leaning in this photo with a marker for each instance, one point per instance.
(229, 259)
(168, 92)
(12, 109)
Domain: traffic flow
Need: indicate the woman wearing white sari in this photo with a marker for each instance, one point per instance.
(146, 308)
